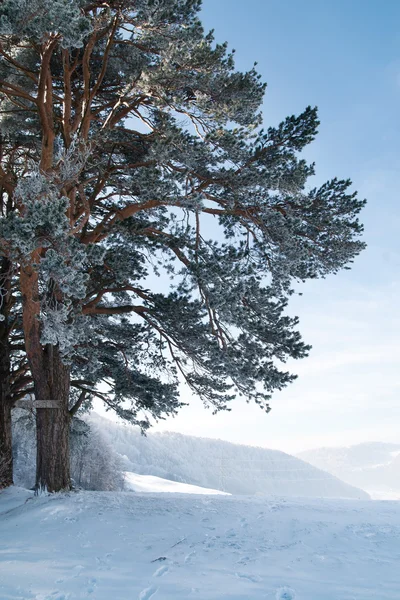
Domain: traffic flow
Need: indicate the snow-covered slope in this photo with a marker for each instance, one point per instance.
(220, 465)
(124, 546)
(373, 466)
(152, 484)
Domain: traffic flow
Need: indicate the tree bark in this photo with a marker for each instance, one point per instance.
(6, 465)
(52, 423)
(6, 462)
(51, 381)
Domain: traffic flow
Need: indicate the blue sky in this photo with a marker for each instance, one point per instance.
(343, 57)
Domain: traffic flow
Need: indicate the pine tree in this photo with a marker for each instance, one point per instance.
(142, 153)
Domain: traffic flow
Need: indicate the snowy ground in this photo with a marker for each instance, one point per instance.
(127, 546)
(150, 483)
(384, 495)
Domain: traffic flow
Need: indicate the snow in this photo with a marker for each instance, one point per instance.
(127, 546)
(149, 483)
(384, 495)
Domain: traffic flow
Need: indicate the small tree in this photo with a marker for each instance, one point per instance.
(94, 463)
(145, 154)
(5, 383)
(24, 447)
(14, 371)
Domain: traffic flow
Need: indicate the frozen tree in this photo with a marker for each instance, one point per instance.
(143, 153)
(24, 447)
(94, 463)
(5, 380)
(14, 369)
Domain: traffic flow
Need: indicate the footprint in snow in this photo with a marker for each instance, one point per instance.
(53, 596)
(188, 557)
(285, 593)
(244, 560)
(103, 562)
(230, 533)
(255, 579)
(92, 583)
(161, 571)
(148, 593)
(77, 570)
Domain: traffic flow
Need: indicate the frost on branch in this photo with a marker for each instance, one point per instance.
(35, 19)
(62, 268)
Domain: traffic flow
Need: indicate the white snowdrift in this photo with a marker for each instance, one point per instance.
(150, 483)
(125, 546)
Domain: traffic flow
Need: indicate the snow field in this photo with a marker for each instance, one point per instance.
(149, 483)
(129, 546)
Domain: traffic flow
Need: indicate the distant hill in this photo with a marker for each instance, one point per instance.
(373, 466)
(220, 465)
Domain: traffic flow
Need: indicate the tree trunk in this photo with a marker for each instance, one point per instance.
(6, 467)
(52, 423)
(51, 379)
(6, 464)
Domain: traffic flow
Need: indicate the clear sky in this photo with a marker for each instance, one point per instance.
(344, 57)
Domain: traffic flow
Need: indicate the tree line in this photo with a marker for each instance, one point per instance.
(151, 230)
